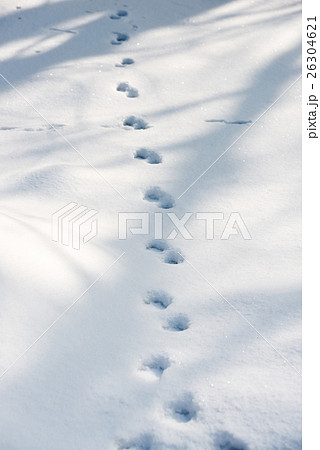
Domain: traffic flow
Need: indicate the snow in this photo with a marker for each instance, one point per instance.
(143, 343)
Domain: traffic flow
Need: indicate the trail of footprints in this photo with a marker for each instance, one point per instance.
(184, 408)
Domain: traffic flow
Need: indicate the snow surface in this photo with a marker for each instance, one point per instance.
(151, 356)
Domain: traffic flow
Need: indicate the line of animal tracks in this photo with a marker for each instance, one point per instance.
(183, 408)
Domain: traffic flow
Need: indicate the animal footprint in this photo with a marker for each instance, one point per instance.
(131, 92)
(173, 257)
(178, 322)
(136, 123)
(156, 365)
(121, 37)
(149, 155)
(184, 409)
(159, 299)
(158, 245)
(119, 14)
(122, 13)
(125, 62)
(155, 194)
(226, 441)
(142, 442)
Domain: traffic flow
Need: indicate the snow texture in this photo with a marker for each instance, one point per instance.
(139, 107)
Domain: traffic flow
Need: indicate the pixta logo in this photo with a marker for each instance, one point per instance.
(74, 225)
(153, 225)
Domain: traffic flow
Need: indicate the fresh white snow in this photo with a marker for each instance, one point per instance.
(120, 106)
